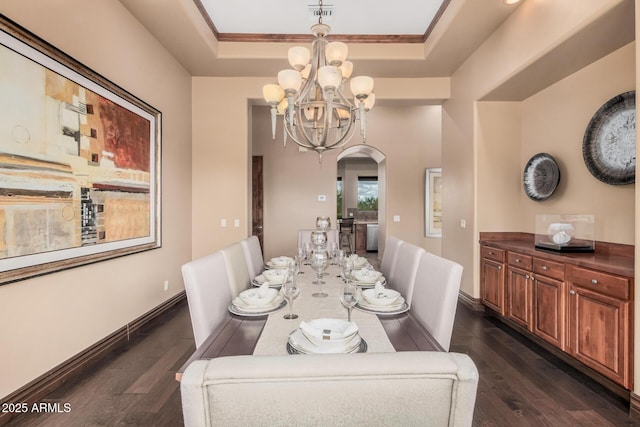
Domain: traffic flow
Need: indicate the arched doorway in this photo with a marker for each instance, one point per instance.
(367, 151)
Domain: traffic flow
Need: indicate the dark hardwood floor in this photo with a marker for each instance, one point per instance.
(520, 383)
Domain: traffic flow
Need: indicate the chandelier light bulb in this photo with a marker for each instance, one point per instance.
(369, 102)
(346, 68)
(299, 57)
(361, 86)
(329, 76)
(336, 53)
(290, 80)
(272, 93)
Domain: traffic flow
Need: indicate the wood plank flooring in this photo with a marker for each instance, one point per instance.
(520, 383)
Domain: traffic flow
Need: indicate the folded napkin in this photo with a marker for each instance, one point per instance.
(380, 296)
(366, 276)
(329, 329)
(281, 261)
(258, 297)
(276, 277)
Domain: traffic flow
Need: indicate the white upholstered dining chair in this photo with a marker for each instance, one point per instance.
(435, 296)
(404, 272)
(237, 268)
(253, 255)
(389, 256)
(411, 388)
(208, 295)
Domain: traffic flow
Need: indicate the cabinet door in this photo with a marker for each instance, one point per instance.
(492, 284)
(518, 297)
(361, 237)
(598, 333)
(549, 310)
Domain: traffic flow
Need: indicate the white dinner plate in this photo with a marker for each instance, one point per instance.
(366, 285)
(241, 309)
(401, 307)
(299, 344)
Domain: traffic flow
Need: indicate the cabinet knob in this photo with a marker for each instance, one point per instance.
(527, 276)
(490, 252)
(517, 260)
(572, 292)
(499, 267)
(594, 281)
(544, 267)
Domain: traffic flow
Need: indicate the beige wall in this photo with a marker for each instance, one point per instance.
(478, 133)
(49, 319)
(409, 137)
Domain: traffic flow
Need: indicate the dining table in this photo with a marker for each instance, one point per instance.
(267, 334)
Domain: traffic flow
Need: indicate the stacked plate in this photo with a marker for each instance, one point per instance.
(274, 277)
(382, 301)
(257, 302)
(367, 277)
(326, 336)
(358, 262)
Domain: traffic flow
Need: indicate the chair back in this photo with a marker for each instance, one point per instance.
(253, 255)
(237, 268)
(435, 296)
(404, 272)
(304, 236)
(389, 256)
(208, 295)
(346, 225)
(411, 388)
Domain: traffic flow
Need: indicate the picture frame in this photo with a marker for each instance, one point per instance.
(80, 162)
(433, 202)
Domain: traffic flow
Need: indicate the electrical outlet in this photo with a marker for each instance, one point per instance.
(463, 223)
(322, 198)
(166, 285)
(223, 222)
(236, 223)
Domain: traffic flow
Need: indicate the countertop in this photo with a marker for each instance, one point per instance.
(608, 257)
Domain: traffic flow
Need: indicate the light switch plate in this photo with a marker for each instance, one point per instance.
(322, 198)
(223, 222)
(396, 218)
(236, 223)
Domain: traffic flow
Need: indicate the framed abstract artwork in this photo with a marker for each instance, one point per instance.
(433, 202)
(79, 162)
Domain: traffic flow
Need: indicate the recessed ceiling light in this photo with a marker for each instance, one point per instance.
(511, 1)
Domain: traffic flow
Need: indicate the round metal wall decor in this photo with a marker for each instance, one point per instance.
(609, 144)
(541, 177)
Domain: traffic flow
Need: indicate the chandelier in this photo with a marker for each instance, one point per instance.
(316, 113)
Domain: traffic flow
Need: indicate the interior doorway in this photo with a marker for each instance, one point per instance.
(363, 154)
(257, 199)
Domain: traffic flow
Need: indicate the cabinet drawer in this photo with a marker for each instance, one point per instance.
(492, 253)
(554, 270)
(518, 260)
(603, 283)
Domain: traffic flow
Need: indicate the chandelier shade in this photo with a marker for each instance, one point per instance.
(317, 115)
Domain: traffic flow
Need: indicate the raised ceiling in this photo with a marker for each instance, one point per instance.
(393, 47)
(369, 20)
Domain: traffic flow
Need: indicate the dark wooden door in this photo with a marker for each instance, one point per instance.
(257, 199)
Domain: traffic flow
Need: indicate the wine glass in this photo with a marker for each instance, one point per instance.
(347, 269)
(332, 250)
(290, 290)
(297, 263)
(307, 252)
(320, 265)
(349, 296)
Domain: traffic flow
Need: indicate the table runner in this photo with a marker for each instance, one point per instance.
(273, 339)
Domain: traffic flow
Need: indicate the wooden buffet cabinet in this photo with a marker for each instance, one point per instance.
(580, 304)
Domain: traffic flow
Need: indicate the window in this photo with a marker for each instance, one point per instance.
(368, 193)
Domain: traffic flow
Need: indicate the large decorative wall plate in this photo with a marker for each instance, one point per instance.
(541, 177)
(609, 144)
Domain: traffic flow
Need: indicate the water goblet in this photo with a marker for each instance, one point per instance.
(349, 296)
(347, 269)
(290, 291)
(297, 263)
(307, 252)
